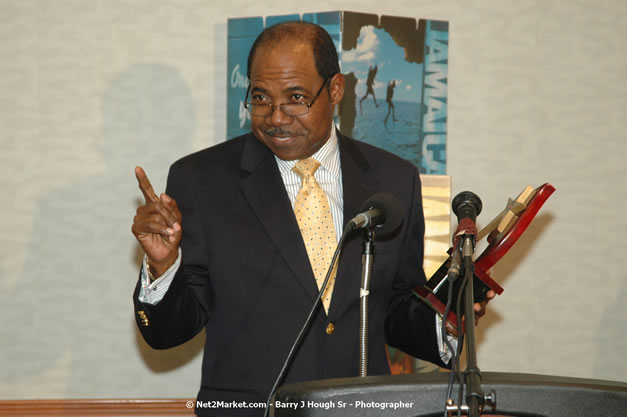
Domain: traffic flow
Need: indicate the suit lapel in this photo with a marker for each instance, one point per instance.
(265, 192)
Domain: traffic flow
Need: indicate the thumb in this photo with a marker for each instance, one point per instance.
(167, 201)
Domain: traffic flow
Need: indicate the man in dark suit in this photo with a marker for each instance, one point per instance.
(224, 249)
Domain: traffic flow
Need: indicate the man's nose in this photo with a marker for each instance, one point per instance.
(278, 118)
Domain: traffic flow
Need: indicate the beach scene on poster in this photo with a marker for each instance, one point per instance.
(396, 90)
(387, 93)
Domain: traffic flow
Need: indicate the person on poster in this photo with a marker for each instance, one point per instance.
(388, 99)
(372, 72)
(225, 250)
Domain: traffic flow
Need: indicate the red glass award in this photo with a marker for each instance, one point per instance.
(502, 233)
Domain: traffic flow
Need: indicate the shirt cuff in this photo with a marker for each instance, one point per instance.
(445, 353)
(153, 292)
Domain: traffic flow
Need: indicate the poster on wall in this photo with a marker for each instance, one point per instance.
(396, 71)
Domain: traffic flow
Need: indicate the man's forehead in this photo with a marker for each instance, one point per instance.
(295, 45)
(286, 53)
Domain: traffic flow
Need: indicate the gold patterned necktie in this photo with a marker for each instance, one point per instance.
(313, 215)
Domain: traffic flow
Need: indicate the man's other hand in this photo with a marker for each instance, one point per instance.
(480, 310)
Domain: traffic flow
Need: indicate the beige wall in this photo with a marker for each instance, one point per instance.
(89, 89)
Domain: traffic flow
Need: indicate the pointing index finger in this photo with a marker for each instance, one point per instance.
(144, 185)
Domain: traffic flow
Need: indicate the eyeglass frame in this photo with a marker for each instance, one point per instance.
(272, 106)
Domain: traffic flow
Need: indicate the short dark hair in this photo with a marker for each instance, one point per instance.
(325, 54)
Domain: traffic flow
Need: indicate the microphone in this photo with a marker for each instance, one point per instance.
(466, 206)
(383, 211)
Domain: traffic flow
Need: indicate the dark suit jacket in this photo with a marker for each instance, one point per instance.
(246, 277)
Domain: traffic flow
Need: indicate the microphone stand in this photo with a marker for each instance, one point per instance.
(466, 206)
(367, 258)
(472, 376)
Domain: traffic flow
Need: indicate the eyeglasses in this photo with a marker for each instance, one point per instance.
(289, 109)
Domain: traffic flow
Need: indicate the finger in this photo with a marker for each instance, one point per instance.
(170, 204)
(169, 211)
(167, 217)
(154, 213)
(490, 295)
(149, 213)
(144, 185)
(450, 329)
(480, 309)
(143, 226)
(156, 218)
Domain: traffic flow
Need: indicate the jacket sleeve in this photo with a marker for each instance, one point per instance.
(185, 307)
(410, 323)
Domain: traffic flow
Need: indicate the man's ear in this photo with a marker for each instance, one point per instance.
(336, 88)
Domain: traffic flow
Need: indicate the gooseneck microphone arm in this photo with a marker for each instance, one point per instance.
(308, 321)
(367, 259)
(381, 214)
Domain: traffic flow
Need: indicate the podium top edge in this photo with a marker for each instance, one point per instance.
(441, 378)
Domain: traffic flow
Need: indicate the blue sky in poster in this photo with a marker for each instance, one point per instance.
(376, 47)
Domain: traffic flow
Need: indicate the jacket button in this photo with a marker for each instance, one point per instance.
(330, 328)
(143, 318)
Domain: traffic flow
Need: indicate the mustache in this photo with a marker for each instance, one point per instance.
(279, 132)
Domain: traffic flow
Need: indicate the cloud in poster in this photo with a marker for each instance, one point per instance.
(376, 47)
(367, 45)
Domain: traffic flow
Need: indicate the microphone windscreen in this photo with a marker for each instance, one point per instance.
(392, 208)
(467, 204)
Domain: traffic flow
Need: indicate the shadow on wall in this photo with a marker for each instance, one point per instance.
(507, 265)
(153, 103)
(611, 323)
(69, 323)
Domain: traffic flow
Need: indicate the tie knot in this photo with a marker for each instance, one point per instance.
(306, 167)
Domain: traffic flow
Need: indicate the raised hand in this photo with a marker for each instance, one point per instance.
(157, 226)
